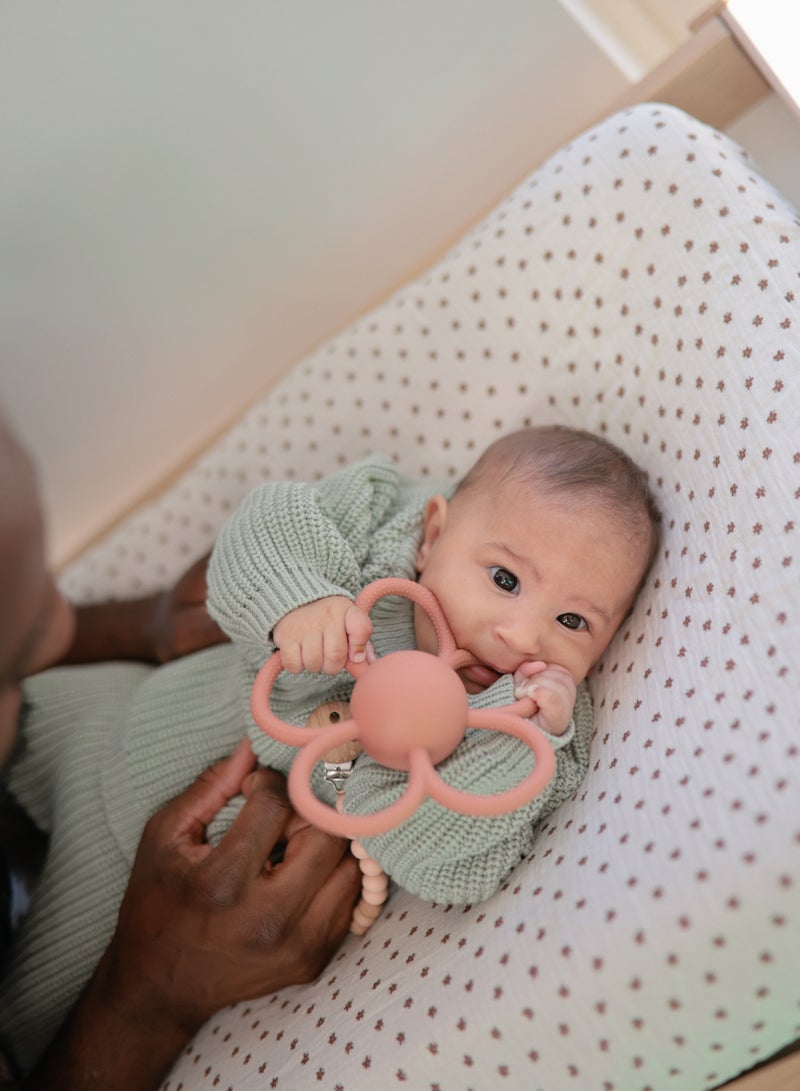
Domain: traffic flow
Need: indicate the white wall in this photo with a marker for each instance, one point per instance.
(771, 133)
(193, 195)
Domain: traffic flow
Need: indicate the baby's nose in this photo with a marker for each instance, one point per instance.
(522, 636)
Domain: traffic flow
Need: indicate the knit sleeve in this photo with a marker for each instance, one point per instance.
(455, 858)
(290, 543)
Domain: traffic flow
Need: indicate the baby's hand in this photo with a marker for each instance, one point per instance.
(323, 635)
(552, 690)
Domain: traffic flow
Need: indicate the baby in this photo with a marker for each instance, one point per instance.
(535, 558)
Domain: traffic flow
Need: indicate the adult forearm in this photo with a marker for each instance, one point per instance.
(156, 628)
(108, 1043)
(116, 630)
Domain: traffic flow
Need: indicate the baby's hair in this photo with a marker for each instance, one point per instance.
(569, 460)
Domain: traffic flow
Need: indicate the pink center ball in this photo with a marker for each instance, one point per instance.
(405, 701)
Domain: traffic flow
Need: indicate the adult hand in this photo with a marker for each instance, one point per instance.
(201, 927)
(179, 621)
(155, 629)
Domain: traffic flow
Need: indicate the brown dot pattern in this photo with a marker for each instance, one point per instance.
(643, 283)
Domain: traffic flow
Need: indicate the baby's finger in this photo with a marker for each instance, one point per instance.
(555, 709)
(358, 626)
(313, 651)
(548, 698)
(334, 648)
(527, 689)
(291, 656)
(531, 667)
(286, 635)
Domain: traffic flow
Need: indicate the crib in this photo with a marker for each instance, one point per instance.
(642, 283)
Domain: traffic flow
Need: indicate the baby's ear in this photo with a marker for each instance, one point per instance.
(435, 516)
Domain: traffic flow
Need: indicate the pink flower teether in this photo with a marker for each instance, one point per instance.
(409, 711)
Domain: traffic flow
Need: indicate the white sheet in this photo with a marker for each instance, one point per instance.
(643, 284)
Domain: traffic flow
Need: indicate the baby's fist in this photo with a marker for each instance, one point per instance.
(552, 690)
(323, 635)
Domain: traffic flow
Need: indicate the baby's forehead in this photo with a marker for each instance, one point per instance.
(515, 489)
(500, 498)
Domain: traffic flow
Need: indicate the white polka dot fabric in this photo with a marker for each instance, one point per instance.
(642, 284)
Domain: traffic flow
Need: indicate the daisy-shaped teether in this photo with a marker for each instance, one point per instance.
(408, 711)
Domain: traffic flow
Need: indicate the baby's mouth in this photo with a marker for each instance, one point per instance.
(478, 677)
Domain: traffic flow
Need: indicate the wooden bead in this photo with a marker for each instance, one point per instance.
(375, 882)
(371, 909)
(332, 712)
(363, 919)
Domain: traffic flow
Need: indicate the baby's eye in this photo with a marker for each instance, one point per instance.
(504, 579)
(572, 621)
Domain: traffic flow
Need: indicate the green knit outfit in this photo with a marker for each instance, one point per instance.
(107, 745)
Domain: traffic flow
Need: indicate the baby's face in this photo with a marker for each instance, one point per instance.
(524, 577)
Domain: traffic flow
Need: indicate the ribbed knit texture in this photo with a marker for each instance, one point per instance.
(108, 745)
(62, 938)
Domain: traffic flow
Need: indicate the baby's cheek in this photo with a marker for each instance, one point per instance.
(424, 632)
